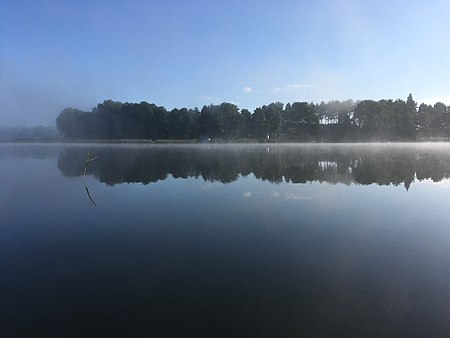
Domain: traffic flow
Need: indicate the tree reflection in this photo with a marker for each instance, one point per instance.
(343, 164)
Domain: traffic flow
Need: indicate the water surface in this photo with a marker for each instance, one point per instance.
(211, 240)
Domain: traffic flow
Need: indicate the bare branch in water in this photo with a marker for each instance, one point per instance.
(89, 158)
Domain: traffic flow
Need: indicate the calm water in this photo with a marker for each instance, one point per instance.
(224, 241)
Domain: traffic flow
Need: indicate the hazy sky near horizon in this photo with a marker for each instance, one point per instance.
(57, 54)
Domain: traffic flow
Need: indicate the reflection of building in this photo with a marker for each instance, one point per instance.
(326, 165)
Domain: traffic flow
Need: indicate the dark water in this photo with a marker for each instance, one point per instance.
(225, 241)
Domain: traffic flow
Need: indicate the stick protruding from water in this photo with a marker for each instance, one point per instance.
(89, 158)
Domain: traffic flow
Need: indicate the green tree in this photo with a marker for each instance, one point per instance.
(232, 120)
(425, 125)
(246, 130)
(366, 113)
(180, 124)
(71, 123)
(301, 120)
(405, 118)
(267, 120)
(210, 122)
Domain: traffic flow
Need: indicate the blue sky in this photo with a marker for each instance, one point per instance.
(56, 54)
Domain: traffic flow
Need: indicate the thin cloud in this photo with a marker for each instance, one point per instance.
(209, 99)
(292, 87)
(248, 89)
(297, 87)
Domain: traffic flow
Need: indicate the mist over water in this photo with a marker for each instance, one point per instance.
(383, 164)
(211, 240)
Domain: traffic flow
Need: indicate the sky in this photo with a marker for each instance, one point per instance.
(174, 53)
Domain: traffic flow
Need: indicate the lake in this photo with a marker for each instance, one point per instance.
(225, 240)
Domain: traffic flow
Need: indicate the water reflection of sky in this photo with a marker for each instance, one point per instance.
(282, 257)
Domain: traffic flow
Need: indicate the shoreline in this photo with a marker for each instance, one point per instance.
(213, 142)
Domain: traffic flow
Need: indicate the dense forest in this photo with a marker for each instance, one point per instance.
(334, 121)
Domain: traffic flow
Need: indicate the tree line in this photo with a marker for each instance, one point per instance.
(333, 121)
